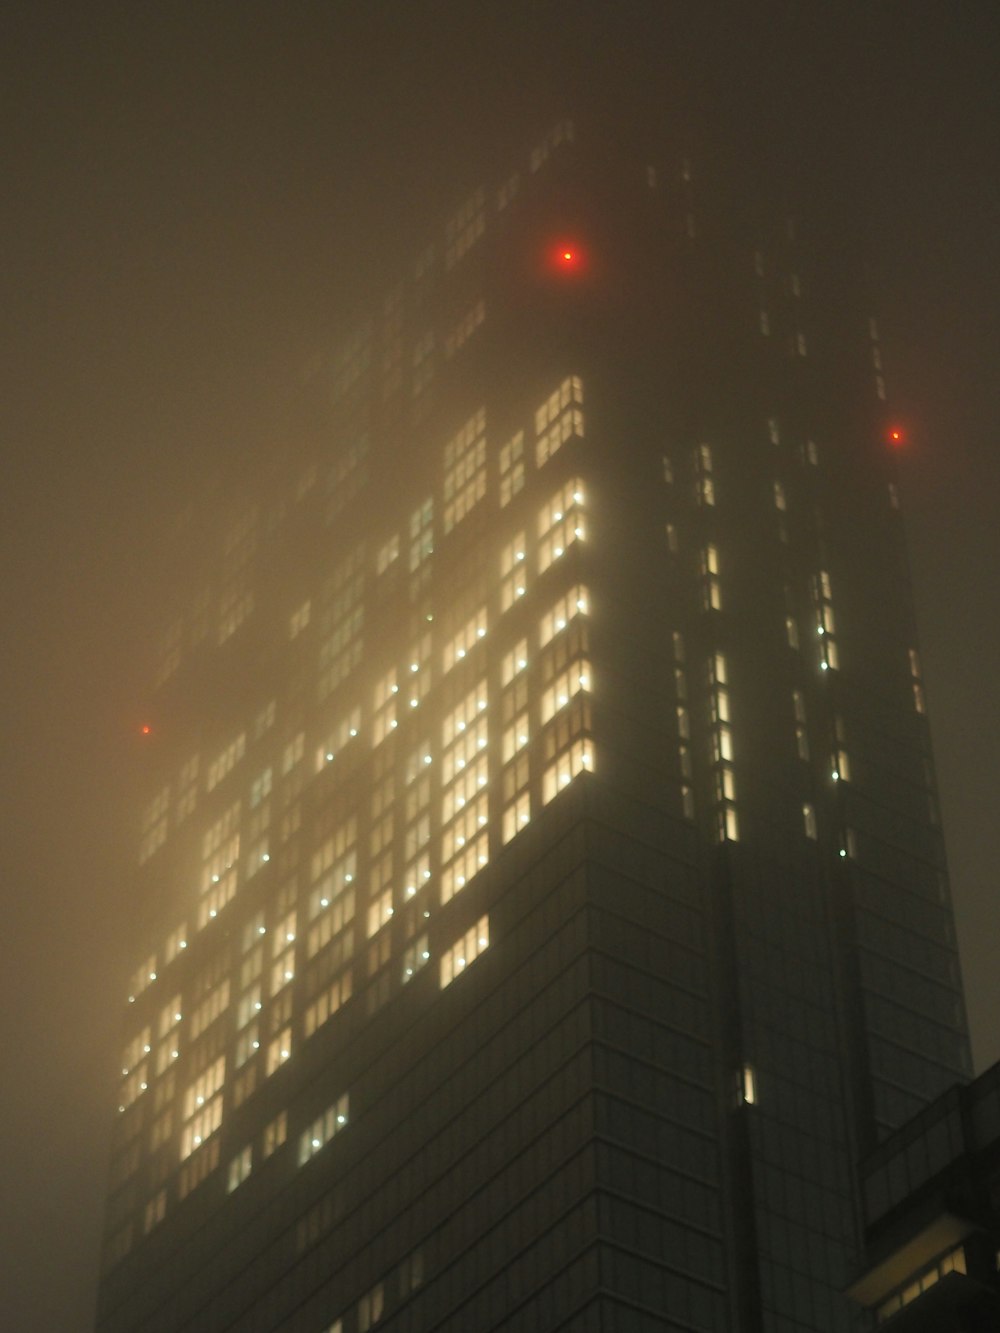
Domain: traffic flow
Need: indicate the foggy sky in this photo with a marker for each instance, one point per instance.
(196, 199)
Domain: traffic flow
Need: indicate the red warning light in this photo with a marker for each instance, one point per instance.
(566, 256)
(896, 436)
(146, 729)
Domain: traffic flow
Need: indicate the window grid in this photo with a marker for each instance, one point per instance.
(559, 419)
(513, 572)
(464, 951)
(325, 1127)
(511, 469)
(465, 470)
(726, 819)
(560, 523)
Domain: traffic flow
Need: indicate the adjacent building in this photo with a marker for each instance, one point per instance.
(541, 890)
(931, 1195)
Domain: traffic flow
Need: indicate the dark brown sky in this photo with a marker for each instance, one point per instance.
(193, 196)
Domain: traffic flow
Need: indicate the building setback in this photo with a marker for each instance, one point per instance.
(543, 897)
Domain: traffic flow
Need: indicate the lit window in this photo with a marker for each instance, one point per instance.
(323, 1129)
(748, 1085)
(801, 735)
(725, 785)
(340, 651)
(275, 1133)
(225, 761)
(462, 643)
(683, 722)
(560, 523)
(415, 955)
(421, 535)
(516, 816)
(176, 943)
(292, 753)
(809, 820)
(568, 683)
(341, 735)
(577, 758)
(384, 719)
(465, 470)
(282, 967)
(559, 419)
(187, 789)
(573, 603)
(464, 838)
(416, 875)
(279, 1050)
(727, 824)
(387, 553)
(380, 912)
(514, 662)
(825, 622)
(202, 1107)
(216, 1002)
(723, 744)
(515, 737)
(467, 856)
(511, 469)
(327, 1003)
(411, 1272)
(468, 781)
(299, 619)
(371, 1308)
(711, 586)
(455, 960)
(513, 572)
(705, 490)
(239, 1169)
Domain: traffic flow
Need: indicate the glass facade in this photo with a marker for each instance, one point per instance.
(544, 899)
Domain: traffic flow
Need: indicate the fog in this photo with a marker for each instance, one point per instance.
(197, 199)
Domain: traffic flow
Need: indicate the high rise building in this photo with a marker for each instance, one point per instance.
(543, 897)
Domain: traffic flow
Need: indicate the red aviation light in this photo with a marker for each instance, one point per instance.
(146, 729)
(566, 257)
(896, 436)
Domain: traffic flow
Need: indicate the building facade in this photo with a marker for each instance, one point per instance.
(931, 1197)
(542, 890)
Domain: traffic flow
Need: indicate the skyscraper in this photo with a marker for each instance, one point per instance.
(543, 898)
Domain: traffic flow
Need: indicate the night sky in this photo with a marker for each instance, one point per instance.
(196, 198)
